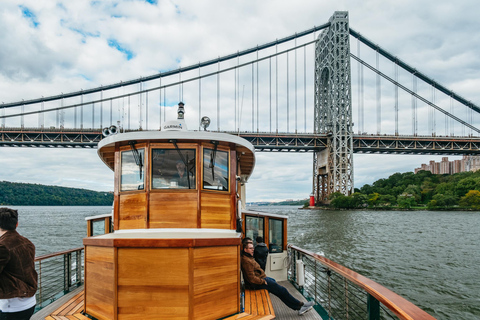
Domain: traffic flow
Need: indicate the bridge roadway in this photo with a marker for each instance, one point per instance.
(269, 142)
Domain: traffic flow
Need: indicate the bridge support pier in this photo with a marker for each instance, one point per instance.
(333, 167)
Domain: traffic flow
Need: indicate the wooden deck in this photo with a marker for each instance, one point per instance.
(258, 306)
(282, 312)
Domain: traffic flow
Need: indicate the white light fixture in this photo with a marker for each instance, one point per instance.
(205, 122)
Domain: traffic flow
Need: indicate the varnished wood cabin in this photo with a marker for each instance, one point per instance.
(174, 252)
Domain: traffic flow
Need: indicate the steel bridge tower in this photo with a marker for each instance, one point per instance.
(333, 166)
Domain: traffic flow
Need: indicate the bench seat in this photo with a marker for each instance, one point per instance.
(258, 306)
(70, 310)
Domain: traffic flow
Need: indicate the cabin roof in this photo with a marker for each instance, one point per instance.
(245, 150)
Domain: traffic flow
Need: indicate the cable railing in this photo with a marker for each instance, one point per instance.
(340, 293)
(58, 274)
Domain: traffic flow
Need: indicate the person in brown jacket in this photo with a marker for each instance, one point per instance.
(18, 278)
(256, 278)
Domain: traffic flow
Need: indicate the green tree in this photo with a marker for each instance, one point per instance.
(342, 201)
(465, 185)
(471, 200)
(372, 199)
(406, 200)
(387, 200)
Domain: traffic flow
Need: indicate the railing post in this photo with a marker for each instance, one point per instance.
(40, 281)
(78, 271)
(373, 308)
(346, 295)
(67, 273)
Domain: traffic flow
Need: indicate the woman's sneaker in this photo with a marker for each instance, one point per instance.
(307, 306)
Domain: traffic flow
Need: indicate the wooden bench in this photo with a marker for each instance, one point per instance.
(258, 306)
(70, 310)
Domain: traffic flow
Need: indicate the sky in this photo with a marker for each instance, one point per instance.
(49, 47)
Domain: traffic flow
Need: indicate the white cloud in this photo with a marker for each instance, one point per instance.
(69, 50)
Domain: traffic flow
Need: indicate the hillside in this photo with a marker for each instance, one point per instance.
(26, 194)
(422, 190)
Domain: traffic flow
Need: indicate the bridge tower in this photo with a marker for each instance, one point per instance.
(333, 166)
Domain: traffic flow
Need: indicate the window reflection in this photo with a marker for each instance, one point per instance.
(275, 234)
(254, 228)
(132, 174)
(173, 169)
(98, 227)
(215, 169)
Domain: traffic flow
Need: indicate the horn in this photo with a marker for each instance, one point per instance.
(113, 129)
(105, 132)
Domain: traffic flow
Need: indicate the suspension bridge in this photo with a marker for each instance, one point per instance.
(328, 90)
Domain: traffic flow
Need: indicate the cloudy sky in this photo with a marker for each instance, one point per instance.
(49, 47)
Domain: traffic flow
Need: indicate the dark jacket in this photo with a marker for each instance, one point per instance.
(252, 273)
(260, 254)
(18, 278)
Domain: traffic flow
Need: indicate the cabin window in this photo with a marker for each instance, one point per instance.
(254, 227)
(275, 235)
(173, 169)
(132, 175)
(98, 227)
(215, 169)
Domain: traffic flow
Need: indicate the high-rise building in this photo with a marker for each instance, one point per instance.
(467, 163)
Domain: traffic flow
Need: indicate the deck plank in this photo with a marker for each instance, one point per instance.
(282, 312)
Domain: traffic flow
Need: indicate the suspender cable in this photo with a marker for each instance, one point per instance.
(288, 95)
(253, 95)
(296, 86)
(140, 120)
(396, 99)
(111, 112)
(101, 110)
(270, 89)
(146, 110)
(128, 112)
(22, 118)
(81, 112)
(235, 75)
(276, 89)
(258, 104)
(93, 115)
(164, 104)
(41, 117)
(379, 97)
(160, 103)
(218, 97)
(305, 89)
(199, 99)
(414, 105)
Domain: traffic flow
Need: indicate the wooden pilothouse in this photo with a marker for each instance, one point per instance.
(175, 249)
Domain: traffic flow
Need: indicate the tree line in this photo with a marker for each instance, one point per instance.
(414, 191)
(26, 194)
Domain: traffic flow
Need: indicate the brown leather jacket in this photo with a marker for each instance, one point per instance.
(252, 273)
(18, 278)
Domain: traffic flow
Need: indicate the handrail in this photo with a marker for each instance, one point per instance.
(58, 273)
(59, 253)
(403, 308)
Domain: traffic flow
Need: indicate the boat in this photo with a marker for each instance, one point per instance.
(171, 247)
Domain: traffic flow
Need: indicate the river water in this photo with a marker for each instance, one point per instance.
(430, 258)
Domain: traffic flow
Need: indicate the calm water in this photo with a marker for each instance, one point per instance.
(431, 258)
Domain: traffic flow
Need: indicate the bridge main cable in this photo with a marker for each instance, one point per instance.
(166, 73)
(414, 71)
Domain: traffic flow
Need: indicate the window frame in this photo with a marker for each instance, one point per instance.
(140, 147)
(170, 147)
(270, 247)
(221, 149)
